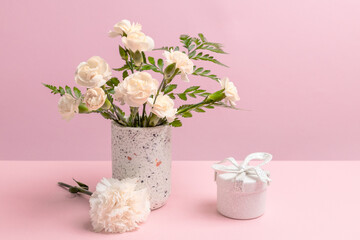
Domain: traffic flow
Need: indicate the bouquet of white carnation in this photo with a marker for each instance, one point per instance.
(150, 101)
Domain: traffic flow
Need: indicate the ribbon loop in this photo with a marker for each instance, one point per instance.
(244, 169)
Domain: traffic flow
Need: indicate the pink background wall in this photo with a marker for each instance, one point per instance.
(296, 65)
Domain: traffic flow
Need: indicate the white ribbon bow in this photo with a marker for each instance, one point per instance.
(243, 170)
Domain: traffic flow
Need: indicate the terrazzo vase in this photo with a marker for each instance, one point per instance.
(144, 153)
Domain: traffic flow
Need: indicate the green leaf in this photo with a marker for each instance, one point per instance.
(160, 63)
(146, 67)
(53, 89)
(176, 123)
(169, 70)
(199, 110)
(123, 53)
(213, 47)
(121, 112)
(77, 92)
(199, 91)
(191, 47)
(187, 115)
(68, 90)
(205, 94)
(125, 67)
(150, 67)
(183, 107)
(115, 81)
(190, 89)
(62, 91)
(209, 106)
(192, 95)
(125, 74)
(82, 185)
(106, 115)
(209, 58)
(171, 95)
(109, 83)
(151, 60)
(200, 69)
(184, 37)
(203, 73)
(182, 96)
(201, 36)
(169, 88)
(192, 54)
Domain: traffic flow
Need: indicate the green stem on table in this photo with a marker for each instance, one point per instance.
(74, 189)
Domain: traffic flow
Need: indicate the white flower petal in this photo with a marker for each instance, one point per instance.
(184, 77)
(116, 206)
(113, 34)
(93, 73)
(136, 89)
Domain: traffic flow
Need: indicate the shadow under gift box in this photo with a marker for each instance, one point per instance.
(240, 199)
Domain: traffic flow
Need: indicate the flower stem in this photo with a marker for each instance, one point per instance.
(143, 114)
(74, 189)
(190, 107)
(158, 91)
(61, 184)
(134, 115)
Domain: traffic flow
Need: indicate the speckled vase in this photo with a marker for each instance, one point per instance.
(144, 153)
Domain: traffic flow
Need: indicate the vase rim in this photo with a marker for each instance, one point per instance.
(138, 128)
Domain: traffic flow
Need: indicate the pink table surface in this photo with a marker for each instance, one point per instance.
(306, 200)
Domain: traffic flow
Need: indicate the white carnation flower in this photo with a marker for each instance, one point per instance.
(93, 73)
(68, 106)
(163, 107)
(117, 206)
(183, 63)
(94, 98)
(136, 89)
(138, 41)
(124, 26)
(231, 92)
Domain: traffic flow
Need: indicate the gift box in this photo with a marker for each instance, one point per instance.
(241, 188)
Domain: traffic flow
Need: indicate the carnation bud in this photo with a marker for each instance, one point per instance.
(123, 53)
(169, 70)
(83, 108)
(216, 96)
(106, 105)
(138, 59)
(153, 120)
